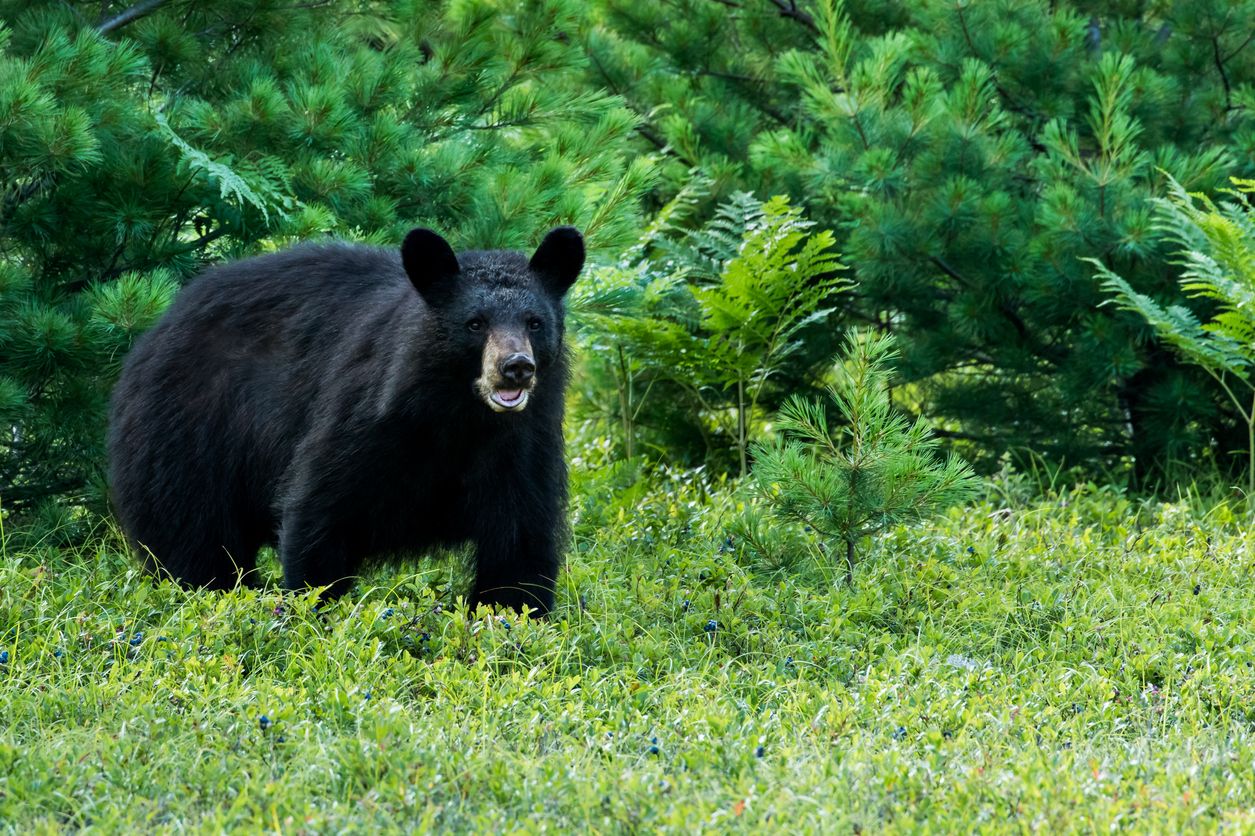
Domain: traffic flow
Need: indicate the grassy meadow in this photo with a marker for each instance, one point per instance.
(1076, 662)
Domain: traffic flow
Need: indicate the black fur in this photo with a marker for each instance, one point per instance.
(321, 399)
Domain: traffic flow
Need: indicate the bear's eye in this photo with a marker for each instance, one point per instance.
(534, 324)
(475, 324)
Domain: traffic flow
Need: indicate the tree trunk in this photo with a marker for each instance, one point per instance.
(625, 404)
(1250, 452)
(740, 426)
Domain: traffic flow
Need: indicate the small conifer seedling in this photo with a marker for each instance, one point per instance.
(873, 470)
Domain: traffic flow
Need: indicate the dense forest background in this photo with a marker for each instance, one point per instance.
(969, 161)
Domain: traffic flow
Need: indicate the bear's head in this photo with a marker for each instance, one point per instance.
(500, 314)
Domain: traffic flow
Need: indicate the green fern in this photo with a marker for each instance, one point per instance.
(705, 251)
(714, 319)
(775, 286)
(1216, 252)
(232, 185)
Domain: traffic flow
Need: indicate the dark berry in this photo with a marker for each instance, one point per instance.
(653, 750)
(971, 550)
(138, 640)
(4, 657)
(899, 733)
(264, 722)
(759, 752)
(685, 606)
(712, 626)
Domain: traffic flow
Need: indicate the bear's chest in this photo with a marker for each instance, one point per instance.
(438, 488)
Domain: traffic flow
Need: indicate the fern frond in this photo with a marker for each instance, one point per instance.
(1180, 328)
(231, 184)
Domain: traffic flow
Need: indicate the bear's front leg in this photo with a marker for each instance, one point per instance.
(313, 556)
(516, 566)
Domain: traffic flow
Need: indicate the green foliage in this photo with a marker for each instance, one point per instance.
(874, 470)
(1217, 256)
(968, 156)
(713, 318)
(775, 285)
(135, 149)
(1074, 663)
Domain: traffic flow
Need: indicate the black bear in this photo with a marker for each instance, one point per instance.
(343, 402)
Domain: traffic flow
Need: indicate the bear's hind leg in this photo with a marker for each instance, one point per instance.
(200, 563)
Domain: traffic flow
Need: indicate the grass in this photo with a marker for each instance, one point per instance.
(1078, 663)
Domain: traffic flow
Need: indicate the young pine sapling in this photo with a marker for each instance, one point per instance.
(873, 470)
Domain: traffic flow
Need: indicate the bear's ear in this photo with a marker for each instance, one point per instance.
(430, 263)
(559, 259)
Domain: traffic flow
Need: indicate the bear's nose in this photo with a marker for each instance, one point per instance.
(518, 368)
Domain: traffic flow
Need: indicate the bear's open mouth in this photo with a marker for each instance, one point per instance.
(509, 399)
(504, 395)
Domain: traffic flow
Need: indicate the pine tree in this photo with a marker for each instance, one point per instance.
(968, 156)
(873, 470)
(140, 143)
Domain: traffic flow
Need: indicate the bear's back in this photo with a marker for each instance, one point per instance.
(285, 307)
(247, 346)
(334, 281)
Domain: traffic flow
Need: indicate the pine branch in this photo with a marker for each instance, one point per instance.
(789, 9)
(1239, 48)
(1224, 76)
(1046, 350)
(131, 15)
(25, 193)
(205, 239)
